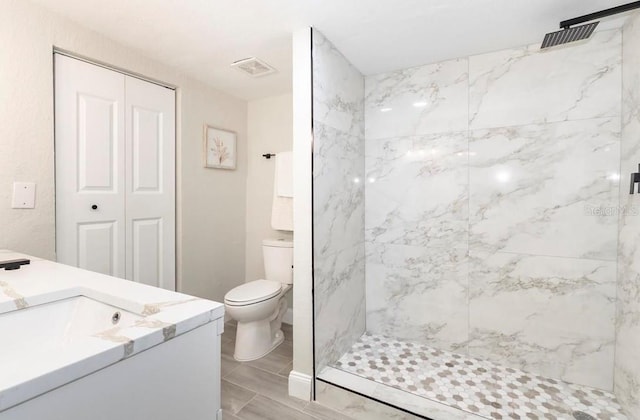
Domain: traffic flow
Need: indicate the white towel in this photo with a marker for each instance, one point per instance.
(282, 210)
(284, 174)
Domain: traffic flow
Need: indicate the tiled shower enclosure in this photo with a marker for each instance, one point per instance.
(480, 208)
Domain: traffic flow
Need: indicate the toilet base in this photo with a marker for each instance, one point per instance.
(244, 357)
(256, 339)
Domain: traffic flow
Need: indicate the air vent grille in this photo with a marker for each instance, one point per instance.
(253, 67)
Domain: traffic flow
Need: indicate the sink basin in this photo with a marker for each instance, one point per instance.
(81, 345)
(58, 327)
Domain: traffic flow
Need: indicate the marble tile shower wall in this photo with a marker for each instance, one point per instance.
(627, 364)
(486, 180)
(338, 194)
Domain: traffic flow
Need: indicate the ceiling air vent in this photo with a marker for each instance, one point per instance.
(253, 67)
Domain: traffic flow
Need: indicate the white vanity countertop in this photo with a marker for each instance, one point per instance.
(164, 315)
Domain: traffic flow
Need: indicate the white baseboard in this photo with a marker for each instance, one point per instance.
(300, 385)
(288, 317)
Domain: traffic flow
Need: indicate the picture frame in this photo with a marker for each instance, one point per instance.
(219, 148)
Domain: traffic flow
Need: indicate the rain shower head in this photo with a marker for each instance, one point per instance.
(571, 33)
(565, 36)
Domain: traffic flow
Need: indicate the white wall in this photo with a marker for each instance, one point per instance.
(300, 383)
(211, 203)
(213, 200)
(269, 130)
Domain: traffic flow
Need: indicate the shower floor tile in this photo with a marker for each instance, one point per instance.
(480, 387)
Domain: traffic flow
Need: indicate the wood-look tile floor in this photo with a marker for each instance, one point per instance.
(258, 390)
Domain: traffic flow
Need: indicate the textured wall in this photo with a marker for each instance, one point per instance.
(485, 176)
(627, 367)
(211, 203)
(338, 197)
(269, 130)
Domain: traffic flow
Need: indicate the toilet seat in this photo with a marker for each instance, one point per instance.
(252, 292)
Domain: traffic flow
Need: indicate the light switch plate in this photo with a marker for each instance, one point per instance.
(24, 195)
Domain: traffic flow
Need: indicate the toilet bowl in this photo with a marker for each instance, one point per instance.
(258, 306)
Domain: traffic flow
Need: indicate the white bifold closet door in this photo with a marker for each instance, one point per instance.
(115, 173)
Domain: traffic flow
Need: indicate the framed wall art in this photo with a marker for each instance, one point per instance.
(219, 148)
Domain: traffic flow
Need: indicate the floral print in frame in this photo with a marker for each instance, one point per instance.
(220, 148)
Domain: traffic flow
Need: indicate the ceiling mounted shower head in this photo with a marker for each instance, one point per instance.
(570, 33)
(565, 36)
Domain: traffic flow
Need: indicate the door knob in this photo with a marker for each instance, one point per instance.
(94, 207)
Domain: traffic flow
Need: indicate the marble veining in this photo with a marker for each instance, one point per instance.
(538, 189)
(120, 335)
(338, 270)
(18, 299)
(417, 190)
(357, 407)
(154, 308)
(525, 85)
(114, 335)
(420, 100)
(338, 98)
(338, 190)
(513, 156)
(338, 198)
(339, 325)
(168, 332)
(627, 365)
(418, 293)
(549, 315)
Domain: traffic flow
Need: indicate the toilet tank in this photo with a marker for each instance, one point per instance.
(278, 260)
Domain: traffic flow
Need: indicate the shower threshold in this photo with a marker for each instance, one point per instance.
(442, 385)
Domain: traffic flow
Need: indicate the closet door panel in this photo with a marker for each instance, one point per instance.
(89, 156)
(147, 249)
(147, 150)
(150, 183)
(97, 246)
(97, 144)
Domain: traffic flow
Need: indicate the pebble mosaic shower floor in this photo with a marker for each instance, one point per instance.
(476, 386)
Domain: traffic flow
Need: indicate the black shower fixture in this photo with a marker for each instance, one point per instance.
(635, 179)
(571, 33)
(568, 35)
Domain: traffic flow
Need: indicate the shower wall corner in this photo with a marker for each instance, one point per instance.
(627, 362)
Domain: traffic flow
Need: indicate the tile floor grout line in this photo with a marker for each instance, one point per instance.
(279, 375)
(301, 411)
(266, 396)
(230, 372)
(245, 404)
(259, 368)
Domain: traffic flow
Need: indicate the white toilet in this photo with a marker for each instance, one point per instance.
(259, 305)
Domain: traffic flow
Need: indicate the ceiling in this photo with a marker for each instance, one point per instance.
(203, 37)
